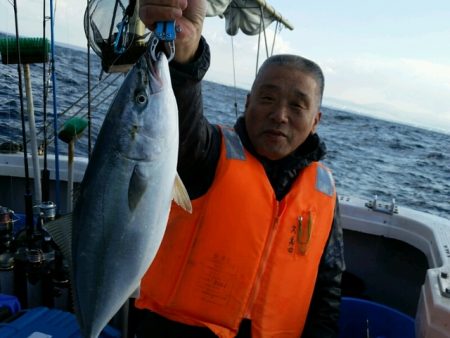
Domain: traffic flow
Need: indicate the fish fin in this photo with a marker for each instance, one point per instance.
(180, 194)
(61, 232)
(136, 188)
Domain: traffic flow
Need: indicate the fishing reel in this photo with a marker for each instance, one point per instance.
(115, 33)
(6, 228)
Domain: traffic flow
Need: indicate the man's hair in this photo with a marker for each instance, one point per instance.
(300, 63)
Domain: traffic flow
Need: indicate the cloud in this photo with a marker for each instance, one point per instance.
(408, 90)
(69, 25)
(411, 90)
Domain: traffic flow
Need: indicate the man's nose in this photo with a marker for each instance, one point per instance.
(280, 114)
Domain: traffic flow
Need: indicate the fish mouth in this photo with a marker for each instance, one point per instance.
(149, 68)
(147, 61)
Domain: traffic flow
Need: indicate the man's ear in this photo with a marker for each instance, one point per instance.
(316, 121)
(246, 101)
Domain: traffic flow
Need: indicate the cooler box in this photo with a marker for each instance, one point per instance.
(383, 322)
(42, 322)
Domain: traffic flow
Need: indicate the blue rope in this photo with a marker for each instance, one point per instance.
(55, 111)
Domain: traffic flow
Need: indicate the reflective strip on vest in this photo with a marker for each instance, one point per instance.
(233, 145)
(324, 181)
(235, 151)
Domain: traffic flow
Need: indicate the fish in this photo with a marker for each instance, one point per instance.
(120, 215)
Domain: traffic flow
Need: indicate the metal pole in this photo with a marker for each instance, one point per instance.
(274, 13)
(33, 141)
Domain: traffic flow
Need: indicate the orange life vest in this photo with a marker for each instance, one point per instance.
(241, 253)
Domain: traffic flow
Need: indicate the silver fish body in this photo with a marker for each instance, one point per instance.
(121, 213)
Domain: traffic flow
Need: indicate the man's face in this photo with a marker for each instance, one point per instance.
(281, 110)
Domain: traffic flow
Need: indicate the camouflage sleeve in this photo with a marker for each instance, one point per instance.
(199, 140)
(323, 315)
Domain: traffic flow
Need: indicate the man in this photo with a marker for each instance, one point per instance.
(262, 253)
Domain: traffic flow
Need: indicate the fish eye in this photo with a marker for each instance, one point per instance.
(141, 98)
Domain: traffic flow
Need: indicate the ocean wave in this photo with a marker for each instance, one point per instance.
(368, 156)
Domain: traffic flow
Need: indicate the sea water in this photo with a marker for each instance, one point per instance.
(368, 156)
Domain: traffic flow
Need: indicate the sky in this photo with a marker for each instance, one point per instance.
(383, 58)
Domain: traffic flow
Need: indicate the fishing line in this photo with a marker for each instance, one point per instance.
(277, 27)
(257, 52)
(264, 31)
(234, 77)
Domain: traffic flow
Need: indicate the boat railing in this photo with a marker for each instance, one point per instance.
(100, 94)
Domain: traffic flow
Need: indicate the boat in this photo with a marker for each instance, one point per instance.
(397, 282)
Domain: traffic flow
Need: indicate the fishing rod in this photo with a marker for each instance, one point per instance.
(28, 196)
(28, 253)
(89, 117)
(55, 111)
(45, 175)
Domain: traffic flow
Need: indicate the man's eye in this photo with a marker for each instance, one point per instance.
(298, 105)
(267, 98)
